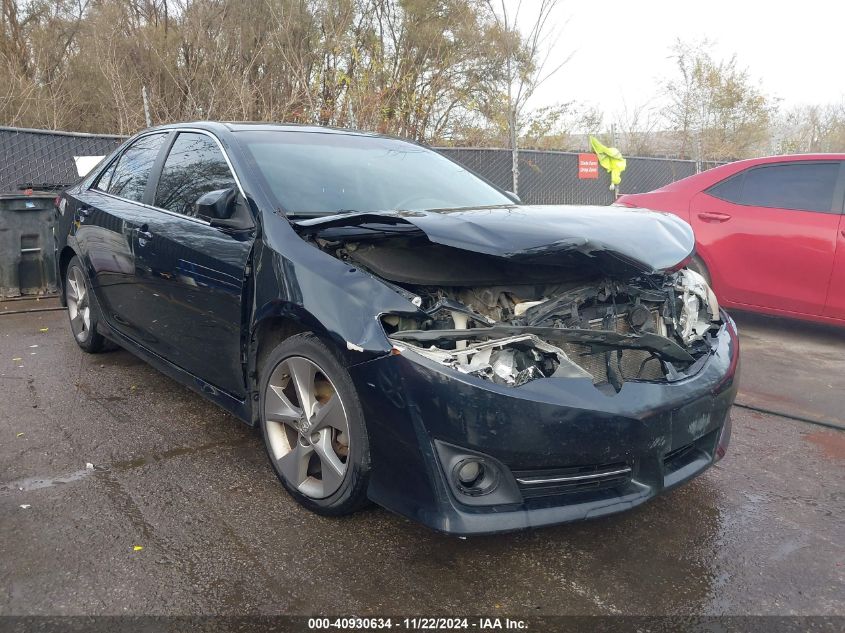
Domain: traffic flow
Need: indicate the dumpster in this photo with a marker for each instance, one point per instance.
(27, 252)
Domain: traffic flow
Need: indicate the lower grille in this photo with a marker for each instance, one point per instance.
(544, 483)
(635, 364)
(679, 457)
(683, 455)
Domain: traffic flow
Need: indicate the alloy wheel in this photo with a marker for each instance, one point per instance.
(307, 427)
(78, 305)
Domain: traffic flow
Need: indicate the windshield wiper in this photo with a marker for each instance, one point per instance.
(319, 214)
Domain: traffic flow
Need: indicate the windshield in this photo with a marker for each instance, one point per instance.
(313, 174)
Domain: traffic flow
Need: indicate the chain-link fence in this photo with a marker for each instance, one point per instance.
(41, 159)
(548, 177)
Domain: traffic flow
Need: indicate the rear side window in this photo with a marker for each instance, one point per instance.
(134, 166)
(102, 182)
(803, 186)
(194, 166)
(730, 189)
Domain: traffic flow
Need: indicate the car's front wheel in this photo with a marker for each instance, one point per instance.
(81, 309)
(313, 426)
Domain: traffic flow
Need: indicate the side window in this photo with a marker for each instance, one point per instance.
(803, 186)
(133, 167)
(194, 166)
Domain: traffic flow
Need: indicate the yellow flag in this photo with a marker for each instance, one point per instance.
(611, 159)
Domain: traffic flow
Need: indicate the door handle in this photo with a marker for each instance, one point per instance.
(712, 216)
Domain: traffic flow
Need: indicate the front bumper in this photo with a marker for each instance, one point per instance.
(654, 436)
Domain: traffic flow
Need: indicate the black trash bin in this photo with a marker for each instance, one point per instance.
(27, 254)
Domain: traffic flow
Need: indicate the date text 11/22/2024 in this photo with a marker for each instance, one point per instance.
(417, 623)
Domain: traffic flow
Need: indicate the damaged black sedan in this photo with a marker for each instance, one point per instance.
(401, 330)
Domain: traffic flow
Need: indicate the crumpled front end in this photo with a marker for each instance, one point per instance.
(550, 451)
(537, 386)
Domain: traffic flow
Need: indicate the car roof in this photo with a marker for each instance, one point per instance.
(709, 177)
(787, 158)
(263, 126)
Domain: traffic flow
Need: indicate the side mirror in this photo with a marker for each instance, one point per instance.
(223, 209)
(513, 196)
(216, 205)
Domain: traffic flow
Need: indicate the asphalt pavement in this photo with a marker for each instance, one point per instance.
(122, 492)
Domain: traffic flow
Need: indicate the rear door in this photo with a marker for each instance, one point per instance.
(768, 234)
(106, 218)
(192, 274)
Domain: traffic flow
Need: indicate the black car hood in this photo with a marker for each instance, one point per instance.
(645, 240)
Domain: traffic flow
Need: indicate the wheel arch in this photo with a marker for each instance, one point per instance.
(703, 266)
(63, 262)
(267, 333)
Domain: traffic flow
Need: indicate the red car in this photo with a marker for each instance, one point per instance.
(770, 232)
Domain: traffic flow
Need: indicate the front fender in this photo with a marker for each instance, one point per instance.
(329, 297)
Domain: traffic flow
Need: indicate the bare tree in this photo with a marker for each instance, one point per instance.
(526, 57)
(563, 126)
(811, 129)
(638, 126)
(715, 107)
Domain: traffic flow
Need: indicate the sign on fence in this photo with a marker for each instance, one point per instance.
(588, 167)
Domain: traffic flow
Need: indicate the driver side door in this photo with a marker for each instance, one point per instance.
(191, 273)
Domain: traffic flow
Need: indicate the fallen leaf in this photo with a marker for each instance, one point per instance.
(137, 548)
(89, 466)
(25, 506)
(16, 359)
(19, 435)
(44, 329)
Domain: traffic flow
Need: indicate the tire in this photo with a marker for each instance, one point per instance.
(322, 459)
(700, 267)
(82, 309)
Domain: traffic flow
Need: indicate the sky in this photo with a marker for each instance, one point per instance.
(620, 49)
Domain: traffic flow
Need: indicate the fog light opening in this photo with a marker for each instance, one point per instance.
(469, 472)
(473, 477)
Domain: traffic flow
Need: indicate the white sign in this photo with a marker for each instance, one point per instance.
(84, 164)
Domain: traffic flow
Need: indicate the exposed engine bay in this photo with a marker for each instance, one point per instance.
(513, 319)
(609, 332)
